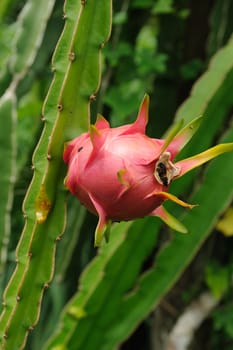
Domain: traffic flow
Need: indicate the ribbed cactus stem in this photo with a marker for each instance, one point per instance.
(76, 63)
(24, 51)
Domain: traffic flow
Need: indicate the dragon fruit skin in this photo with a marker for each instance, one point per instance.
(121, 174)
(107, 178)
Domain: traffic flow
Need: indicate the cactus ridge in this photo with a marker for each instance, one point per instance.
(66, 111)
(24, 51)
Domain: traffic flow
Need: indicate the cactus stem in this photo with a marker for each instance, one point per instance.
(85, 28)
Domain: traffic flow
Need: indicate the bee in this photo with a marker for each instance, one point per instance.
(165, 170)
(162, 173)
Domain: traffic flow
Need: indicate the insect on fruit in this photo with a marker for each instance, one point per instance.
(162, 172)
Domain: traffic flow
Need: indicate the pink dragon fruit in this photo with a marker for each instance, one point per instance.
(122, 174)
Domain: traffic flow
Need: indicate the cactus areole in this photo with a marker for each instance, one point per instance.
(121, 174)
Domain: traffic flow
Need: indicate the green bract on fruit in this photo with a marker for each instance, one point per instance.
(121, 174)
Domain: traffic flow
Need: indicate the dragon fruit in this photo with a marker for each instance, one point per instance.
(121, 174)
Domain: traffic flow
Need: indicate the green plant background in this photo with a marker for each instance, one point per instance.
(179, 52)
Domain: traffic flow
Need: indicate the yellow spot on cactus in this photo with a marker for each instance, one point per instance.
(59, 347)
(77, 312)
(42, 205)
